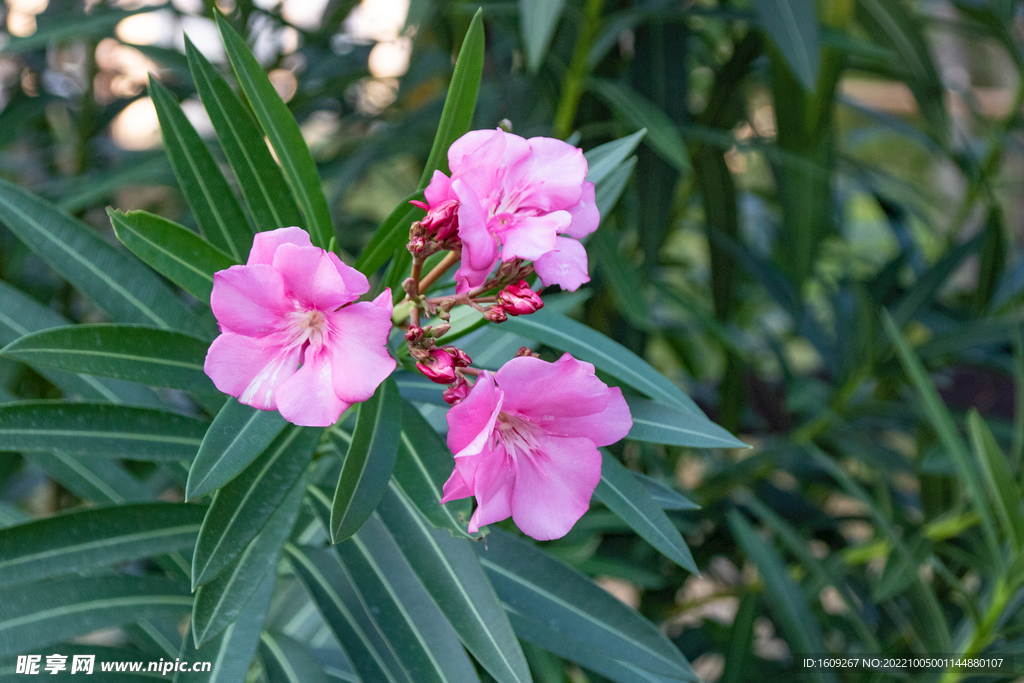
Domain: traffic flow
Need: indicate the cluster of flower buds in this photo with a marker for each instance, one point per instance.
(454, 394)
(516, 299)
(438, 231)
(437, 363)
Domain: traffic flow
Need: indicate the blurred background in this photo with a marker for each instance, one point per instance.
(809, 171)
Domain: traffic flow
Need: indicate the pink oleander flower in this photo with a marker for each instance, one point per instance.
(291, 337)
(515, 198)
(525, 442)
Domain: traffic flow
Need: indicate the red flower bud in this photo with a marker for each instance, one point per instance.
(414, 335)
(458, 391)
(460, 357)
(438, 367)
(520, 299)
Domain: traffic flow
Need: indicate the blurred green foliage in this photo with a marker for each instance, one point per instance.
(818, 242)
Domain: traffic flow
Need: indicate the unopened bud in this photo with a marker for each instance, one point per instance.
(496, 314)
(458, 391)
(438, 367)
(526, 352)
(519, 299)
(460, 357)
(437, 331)
(414, 335)
(444, 309)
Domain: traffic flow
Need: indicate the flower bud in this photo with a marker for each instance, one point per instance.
(414, 335)
(496, 314)
(526, 351)
(438, 367)
(460, 357)
(437, 331)
(458, 391)
(519, 299)
(441, 223)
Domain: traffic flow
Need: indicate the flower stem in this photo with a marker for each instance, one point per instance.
(450, 260)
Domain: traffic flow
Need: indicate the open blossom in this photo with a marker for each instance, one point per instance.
(291, 337)
(525, 442)
(516, 199)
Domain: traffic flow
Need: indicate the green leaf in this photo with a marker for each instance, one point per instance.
(208, 194)
(336, 596)
(221, 601)
(20, 315)
(537, 22)
(793, 25)
(608, 191)
(404, 612)
(93, 479)
(263, 186)
(238, 434)
(123, 287)
(638, 111)
(544, 590)
(159, 358)
(369, 462)
(242, 508)
(1001, 484)
(456, 119)
(79, 540)
(591, 346)
(289, 661)
(232, 651)
(283, 132)
(783, 595)
(453, 576)
(942, 422)
(97, 23)
(460, 102)
(585, 654)
(604, 159)
(423, 465)
(663, 494)
(391, 236)
(172, 250)
(39, 614)
(659, 423)
(625, 496)
(99, 430)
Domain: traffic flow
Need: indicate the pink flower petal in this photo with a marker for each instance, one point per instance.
(493, 488)
(439, 189)
(355, 282)
(455, 488)
(565, 266)
(546, 392)
(264, 244)
(250, 300)
(474, 416)
(551, 177)
(307, 398)
(533, 236)
(358, 334)
(604, 428)
(234, 360)
(553, 487)
(585, 216)
(471, 143)
(311, 277)
(260, 391)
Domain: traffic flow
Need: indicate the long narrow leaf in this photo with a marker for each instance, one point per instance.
(120, 285)
(208, 194)
(283, 132)
(99, 430)
(369, 462)
(174, 251)
(263, 186)
(661, 424)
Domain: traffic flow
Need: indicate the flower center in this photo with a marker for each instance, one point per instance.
(517, 435)
(307, 326)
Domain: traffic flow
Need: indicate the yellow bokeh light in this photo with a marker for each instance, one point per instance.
(137, 127)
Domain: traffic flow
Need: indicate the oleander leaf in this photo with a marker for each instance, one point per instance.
(83, 539)
(99, 430)
(119, 284)
(288, 661)
(659, 423)
(244, 506)
(537, 22)
(793, 25)
(177, 253)
(217, 212)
